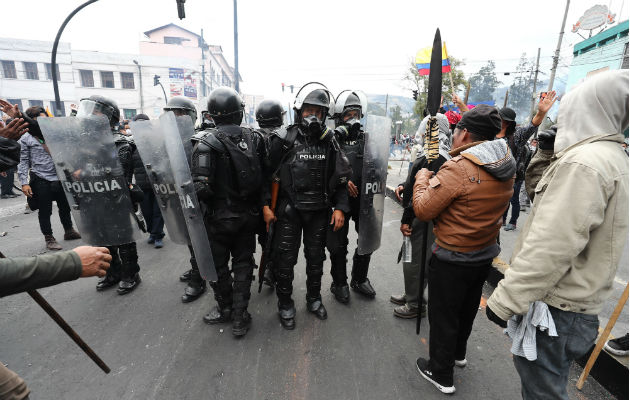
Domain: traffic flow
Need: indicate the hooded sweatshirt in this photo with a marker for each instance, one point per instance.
(466, 200)
(568, 252)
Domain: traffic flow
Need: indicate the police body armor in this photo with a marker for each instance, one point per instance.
(353, 148)
(307, 171)
(238, 182)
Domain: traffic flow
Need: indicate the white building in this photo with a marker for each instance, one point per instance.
(179, 57)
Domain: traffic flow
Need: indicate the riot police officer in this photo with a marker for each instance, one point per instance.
(270, 118)
(348, 112)
(226, 170)
(124, 269)
(312, 173)
(196, 285)
(206, 120)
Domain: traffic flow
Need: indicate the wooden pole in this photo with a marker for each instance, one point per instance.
(603, 338)
(506, 98)
(467, 93)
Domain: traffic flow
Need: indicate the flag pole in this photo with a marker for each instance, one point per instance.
(450, 73)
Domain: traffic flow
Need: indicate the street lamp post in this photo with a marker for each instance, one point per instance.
(140, 83)
(53, 61)
(236, 83)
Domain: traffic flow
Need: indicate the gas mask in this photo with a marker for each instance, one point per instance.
(312, 125)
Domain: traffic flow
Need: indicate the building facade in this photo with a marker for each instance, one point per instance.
(608, 50)
(182, 61)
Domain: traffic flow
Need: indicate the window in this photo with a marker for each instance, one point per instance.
(87, 78)
(173, 40)
(127, 80)
(61, 112)
(129, 113)
(33, 103)
(49, 72)
(624, 63)
(30, 68)
(107, 79)
(16, 101)
(8, 70)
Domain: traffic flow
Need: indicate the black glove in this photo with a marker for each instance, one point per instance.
(547, 138)
(495, 318)
(136, 194)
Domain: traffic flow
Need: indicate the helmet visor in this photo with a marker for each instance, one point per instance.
(88, 108)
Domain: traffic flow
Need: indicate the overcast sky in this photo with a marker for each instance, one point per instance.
(344, 44)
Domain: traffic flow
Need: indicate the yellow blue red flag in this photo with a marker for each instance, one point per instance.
(423, 60)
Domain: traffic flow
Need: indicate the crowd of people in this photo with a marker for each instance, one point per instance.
(303, 183)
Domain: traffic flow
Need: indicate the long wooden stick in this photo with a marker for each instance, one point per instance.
(68, 329)
(603, 338)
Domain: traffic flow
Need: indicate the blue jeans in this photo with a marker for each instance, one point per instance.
(516, 204)
(548, 375)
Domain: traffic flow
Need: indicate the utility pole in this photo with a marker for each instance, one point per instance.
(236, 75)
(203, 66)
(506, 98)
(531, 109)
(386, 99)
(556, 56)
(140, 84)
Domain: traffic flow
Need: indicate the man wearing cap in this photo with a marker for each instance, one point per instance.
(465, 200)
(517, 139)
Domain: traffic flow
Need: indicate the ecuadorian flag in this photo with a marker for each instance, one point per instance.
(423, 60)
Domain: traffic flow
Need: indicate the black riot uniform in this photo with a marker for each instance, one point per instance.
(313, 174)
(351, 137)
(196, 285)
(270, 118)
(124, 268)
(226, 169)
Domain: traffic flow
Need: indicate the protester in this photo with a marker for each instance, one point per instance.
(523, 196)
(408, 303)
(517, 138)
(465, 200)
(565, 259)
(43, 187)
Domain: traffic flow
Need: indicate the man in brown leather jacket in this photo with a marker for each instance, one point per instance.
(466, 200)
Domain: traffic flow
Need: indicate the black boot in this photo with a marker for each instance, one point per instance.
(316, 307)
(341, 292)
(107, 282)
(193, 291)
(127, 285)
(241, 323)
(364, 288)
(185, 277)
(287, 316)
(218, 316)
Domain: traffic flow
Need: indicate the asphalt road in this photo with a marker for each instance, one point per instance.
(159, 348)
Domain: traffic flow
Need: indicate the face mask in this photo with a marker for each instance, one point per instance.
(354, 126)
(312, 124)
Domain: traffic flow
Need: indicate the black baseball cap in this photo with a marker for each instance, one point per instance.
(507, 114)
(482, 120)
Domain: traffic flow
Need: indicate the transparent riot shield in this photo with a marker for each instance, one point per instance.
(186, 131)
(187, 195)
(86, 160)
(373, 181)
(149, 138)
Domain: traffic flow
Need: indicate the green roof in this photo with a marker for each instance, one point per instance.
(602, 36)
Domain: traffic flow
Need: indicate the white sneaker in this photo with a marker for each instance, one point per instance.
(461, 363)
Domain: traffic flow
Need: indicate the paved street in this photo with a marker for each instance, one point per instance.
(159, 348)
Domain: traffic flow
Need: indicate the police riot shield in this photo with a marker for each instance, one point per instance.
(86, 160)
(149, 138)
(186, 131)
(193, 214)
(373, 181)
